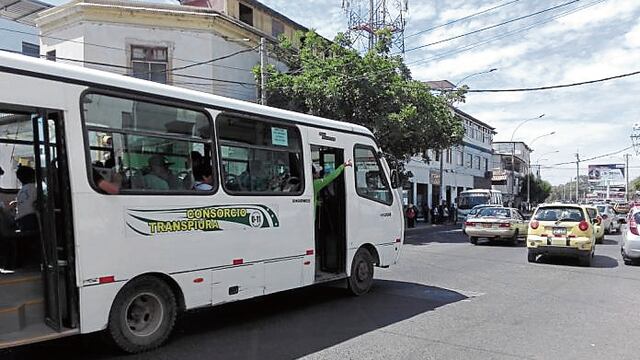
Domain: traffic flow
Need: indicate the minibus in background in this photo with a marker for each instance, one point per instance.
(152, 200)
(470, 198)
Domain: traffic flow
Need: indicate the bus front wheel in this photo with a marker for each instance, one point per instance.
(361, 277)
(142, 315)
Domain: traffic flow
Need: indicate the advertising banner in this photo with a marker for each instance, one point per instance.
(608, 174)
(607, 181)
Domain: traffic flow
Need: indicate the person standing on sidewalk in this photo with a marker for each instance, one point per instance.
(411, 214)
(426, 211)
(445, 214)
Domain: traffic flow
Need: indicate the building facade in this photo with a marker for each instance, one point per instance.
(18, 32)
(211, 49)
(511, 165)
(466, 166)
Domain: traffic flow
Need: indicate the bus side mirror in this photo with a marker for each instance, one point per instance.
(395, 179)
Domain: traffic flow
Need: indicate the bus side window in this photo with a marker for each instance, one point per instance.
(259, 156)
(371, 182)
(140, 146)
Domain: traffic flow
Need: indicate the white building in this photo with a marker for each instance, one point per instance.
(467, 166)
(17, 28)
(511, 165)
(185, 46)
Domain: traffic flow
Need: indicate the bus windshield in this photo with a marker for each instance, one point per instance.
(468, 201)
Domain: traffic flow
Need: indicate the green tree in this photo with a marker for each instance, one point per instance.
(375, 90)
(540, 189)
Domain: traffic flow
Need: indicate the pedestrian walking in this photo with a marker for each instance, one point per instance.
(445, 214)
(426, 211)
(411, 215)
(436, 215)
(454, 213)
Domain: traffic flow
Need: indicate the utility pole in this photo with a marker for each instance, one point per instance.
(513, 174)
(626, 169)
(263, 71)
(529, 185)
(440, 197)
(577, 177)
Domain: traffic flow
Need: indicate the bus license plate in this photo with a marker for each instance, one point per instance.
(560, 231)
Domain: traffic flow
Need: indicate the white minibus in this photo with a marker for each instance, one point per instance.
(138, 200)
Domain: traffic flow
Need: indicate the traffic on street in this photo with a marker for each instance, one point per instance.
(361, 179)
(446, 299)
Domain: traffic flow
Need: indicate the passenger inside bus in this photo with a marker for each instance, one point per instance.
(26, 218)
(203, 174)
(160, 176)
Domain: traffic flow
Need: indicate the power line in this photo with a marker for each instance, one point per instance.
(462, 18)
(557, 16)
(505, 35)
(110, 47)
(212, 60)
(492, 26)
(552, 86)
(594, 157)
(130, 68)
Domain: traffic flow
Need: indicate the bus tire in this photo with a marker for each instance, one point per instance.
(361, 277)
(142, 315)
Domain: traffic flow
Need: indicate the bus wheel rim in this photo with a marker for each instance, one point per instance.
(363, 271)
(144, 314)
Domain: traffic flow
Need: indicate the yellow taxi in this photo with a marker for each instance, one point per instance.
(594, 213)
(562, 229)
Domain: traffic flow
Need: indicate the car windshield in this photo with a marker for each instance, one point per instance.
(602, 209)
(495, 212)
(559, 213)
(593, 213)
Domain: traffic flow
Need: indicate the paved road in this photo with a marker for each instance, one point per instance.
(447, 299)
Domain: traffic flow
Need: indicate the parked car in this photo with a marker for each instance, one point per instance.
(611, 221)
(630, 247)
(472, 213)
(496, 223)
(562, 229)
(599, 224)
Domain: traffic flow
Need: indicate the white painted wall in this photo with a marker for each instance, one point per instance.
(12, 41)
(185, 47)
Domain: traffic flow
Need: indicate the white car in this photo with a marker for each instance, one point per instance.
(610, 221)
(630, 248)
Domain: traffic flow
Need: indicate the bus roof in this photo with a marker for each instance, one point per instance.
(479, 191)
(26, 65)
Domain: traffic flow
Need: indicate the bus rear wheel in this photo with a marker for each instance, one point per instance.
(142, 315)
(361, 277)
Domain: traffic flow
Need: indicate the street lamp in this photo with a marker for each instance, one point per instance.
(547, 153)
(474, 74)
(513, 154)
(539, 137)
(529, 166)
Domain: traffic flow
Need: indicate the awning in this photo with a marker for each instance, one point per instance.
(22, 11)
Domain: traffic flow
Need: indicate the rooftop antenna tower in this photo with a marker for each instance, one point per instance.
(366, 17)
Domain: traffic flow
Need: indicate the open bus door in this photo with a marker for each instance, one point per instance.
(53, 203)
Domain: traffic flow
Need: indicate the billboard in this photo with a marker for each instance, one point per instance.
(609, 174)
(607, 181)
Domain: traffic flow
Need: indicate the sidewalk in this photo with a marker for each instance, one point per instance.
(423, 225)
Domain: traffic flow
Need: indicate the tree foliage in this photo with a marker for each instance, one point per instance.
(375, 90)
(540, 189)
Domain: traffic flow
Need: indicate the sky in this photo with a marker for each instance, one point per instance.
(584, 40)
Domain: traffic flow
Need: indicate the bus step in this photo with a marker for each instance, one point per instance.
(21, 301)
(16, 318)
